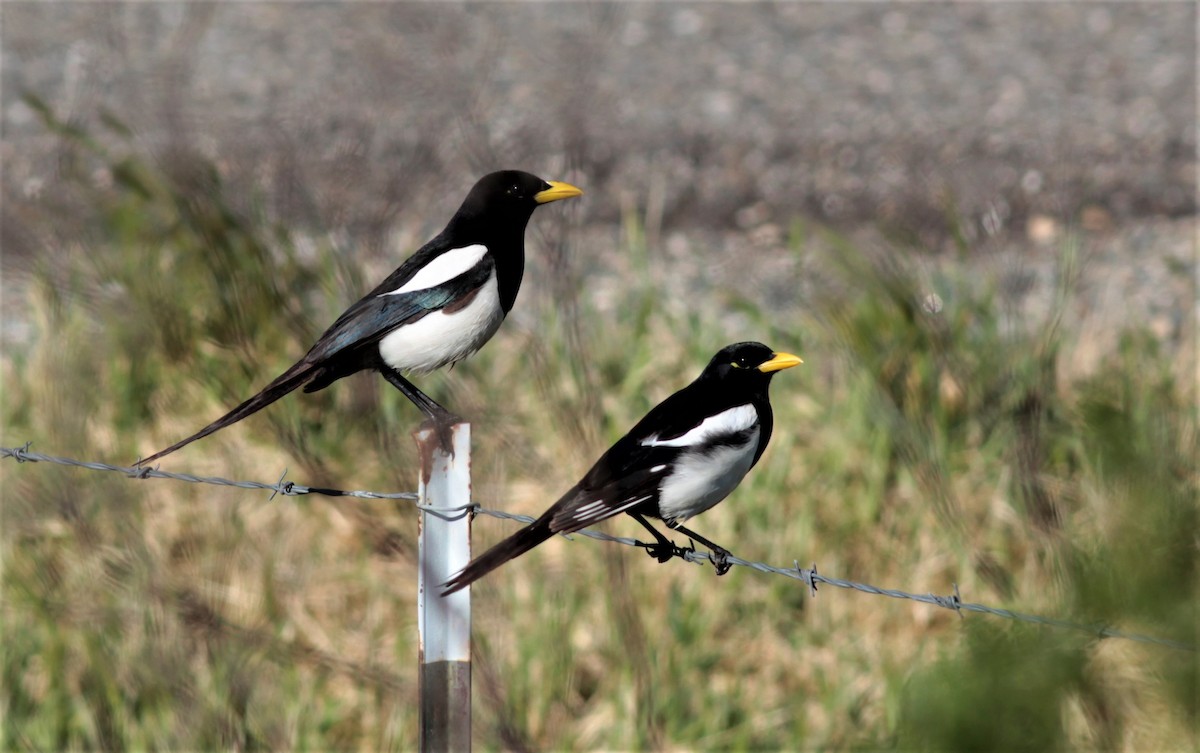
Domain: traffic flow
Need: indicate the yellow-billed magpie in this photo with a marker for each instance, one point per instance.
(685, 456)
(440, 306)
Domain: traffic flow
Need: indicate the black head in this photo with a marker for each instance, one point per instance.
(748, 363)
(510, 196)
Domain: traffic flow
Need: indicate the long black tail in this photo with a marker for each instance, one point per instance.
(286, 382)
(514, 546)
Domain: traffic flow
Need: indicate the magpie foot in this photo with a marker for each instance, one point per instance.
(665, 550)
(720, 560)
(442, 424)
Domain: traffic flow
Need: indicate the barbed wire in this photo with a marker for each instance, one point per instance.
(809, 577)
(286, 488)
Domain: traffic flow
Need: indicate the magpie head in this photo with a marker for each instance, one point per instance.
(512, 195)
(749, 363)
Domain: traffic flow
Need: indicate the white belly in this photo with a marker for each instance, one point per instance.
(439, 338)
(701, 480)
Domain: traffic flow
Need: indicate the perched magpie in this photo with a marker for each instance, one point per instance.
(441, 305)
(685, 456)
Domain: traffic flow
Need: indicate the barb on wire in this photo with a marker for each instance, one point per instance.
(810, 577)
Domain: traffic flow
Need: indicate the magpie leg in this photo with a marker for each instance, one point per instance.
(720, 555)
(441, 418)
(662, 549)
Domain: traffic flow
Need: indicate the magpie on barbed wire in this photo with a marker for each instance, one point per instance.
(440, 306)
(685, 456)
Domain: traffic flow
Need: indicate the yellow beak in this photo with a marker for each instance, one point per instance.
(556, 191)
(779, 362)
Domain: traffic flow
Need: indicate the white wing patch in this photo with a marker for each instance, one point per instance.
(596, 510)
(443, 268)
(731, 421)
(589, 508)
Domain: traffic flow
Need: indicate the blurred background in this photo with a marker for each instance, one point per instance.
(975, 222)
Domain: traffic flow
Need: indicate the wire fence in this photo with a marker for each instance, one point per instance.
(809, 576)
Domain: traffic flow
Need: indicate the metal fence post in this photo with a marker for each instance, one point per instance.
(444, 624)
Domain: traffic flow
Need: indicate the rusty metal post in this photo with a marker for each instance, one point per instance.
(444, 624)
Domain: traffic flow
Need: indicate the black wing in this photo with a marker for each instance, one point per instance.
(586, 505)
(626, 476)
(632, 470)
(377, 314)
(578, 508)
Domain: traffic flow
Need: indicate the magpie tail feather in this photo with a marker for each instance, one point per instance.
(514, 546)
(286, 382)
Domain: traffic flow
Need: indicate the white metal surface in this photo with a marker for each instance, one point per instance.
(444, 547)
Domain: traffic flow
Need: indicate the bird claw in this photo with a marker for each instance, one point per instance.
(664, 551)
(660, 552)
(443, 427)
(720, 560)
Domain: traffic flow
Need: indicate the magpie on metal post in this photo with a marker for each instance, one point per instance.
(444, 624)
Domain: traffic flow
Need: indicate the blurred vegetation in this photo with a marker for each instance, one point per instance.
(923, 443)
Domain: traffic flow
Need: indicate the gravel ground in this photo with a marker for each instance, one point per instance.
(855, 112)
(720, 122)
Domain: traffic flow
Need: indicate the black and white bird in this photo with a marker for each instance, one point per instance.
(685, 456)
(440, 306)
